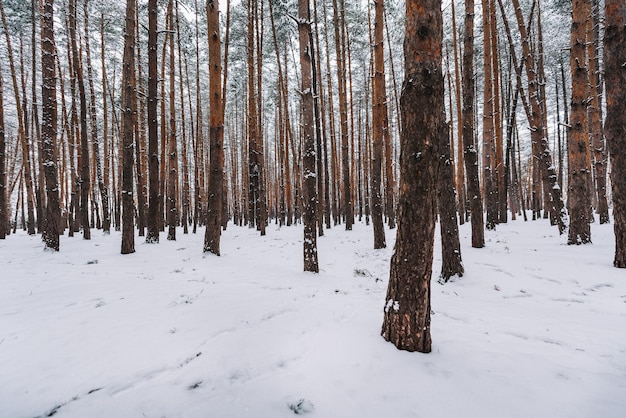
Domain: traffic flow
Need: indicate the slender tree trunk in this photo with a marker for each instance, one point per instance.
(469, 144)
(84, 139)
(128, 232)
(489, 132)
(615, 76)
(216, 132)
(407, 310)
(579, 195)
(172, 208)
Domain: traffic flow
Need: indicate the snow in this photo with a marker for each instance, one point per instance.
(534, 328)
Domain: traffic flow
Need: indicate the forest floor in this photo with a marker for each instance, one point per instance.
(535, 328)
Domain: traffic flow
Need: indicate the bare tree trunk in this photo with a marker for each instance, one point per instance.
(579, 195)
(216, 132)
(615, 76)
(172, 209)
(128, 232)
(308, 139)
(489, 132)
(49, 126)
(152, 235)
(84, 140)
(469, 144)
(595, 110)
(407, 310)
(378, 126)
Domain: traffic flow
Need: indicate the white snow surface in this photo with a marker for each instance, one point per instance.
(535, 328)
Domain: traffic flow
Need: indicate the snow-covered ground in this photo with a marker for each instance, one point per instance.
(535, 328)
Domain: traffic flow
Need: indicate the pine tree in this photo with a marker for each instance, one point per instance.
(407, 310)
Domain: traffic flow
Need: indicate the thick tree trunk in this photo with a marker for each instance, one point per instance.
(379, 126)
(579, 194)
(489, 131)
(407, 310)
(153, 129)
(615, 125)
(49, 126)
(128, 216)
(308, 140)
(469, 143)
(216, 133)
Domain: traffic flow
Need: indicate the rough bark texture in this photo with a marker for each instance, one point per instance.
(595, 116)
(452, 264)
(172, 179)
(309, 179)
(379, 126)
(216, 133)
(407, 309)
(469, 144)
(152, 222)
(51, 223)
(579, 195)
(128, 210)
(615, 125)
(489, 131)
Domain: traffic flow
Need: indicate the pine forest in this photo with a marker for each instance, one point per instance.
(444, 162)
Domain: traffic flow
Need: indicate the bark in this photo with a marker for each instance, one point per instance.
(128, 216)
(489, 131)
(308, 139)
(579, 195)
(84, 139)
(407, 310)
(615, 125)
(172, 179)
(595, 110)
(152, 222)
(469, 144)
(216, 133)
(50, 234)
(460, 173)
(379, 126)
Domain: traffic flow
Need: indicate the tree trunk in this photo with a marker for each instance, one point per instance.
(308, 139)
(172, 179)
(4, 203)
(216, 133)
(152, 221)
(579, 194)
(469, 144)
(407, 310)
(128, 216)
(595, 110)
(489, 131)
(614, 127)
(84, 140)
(50, 234)
(379, 126)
